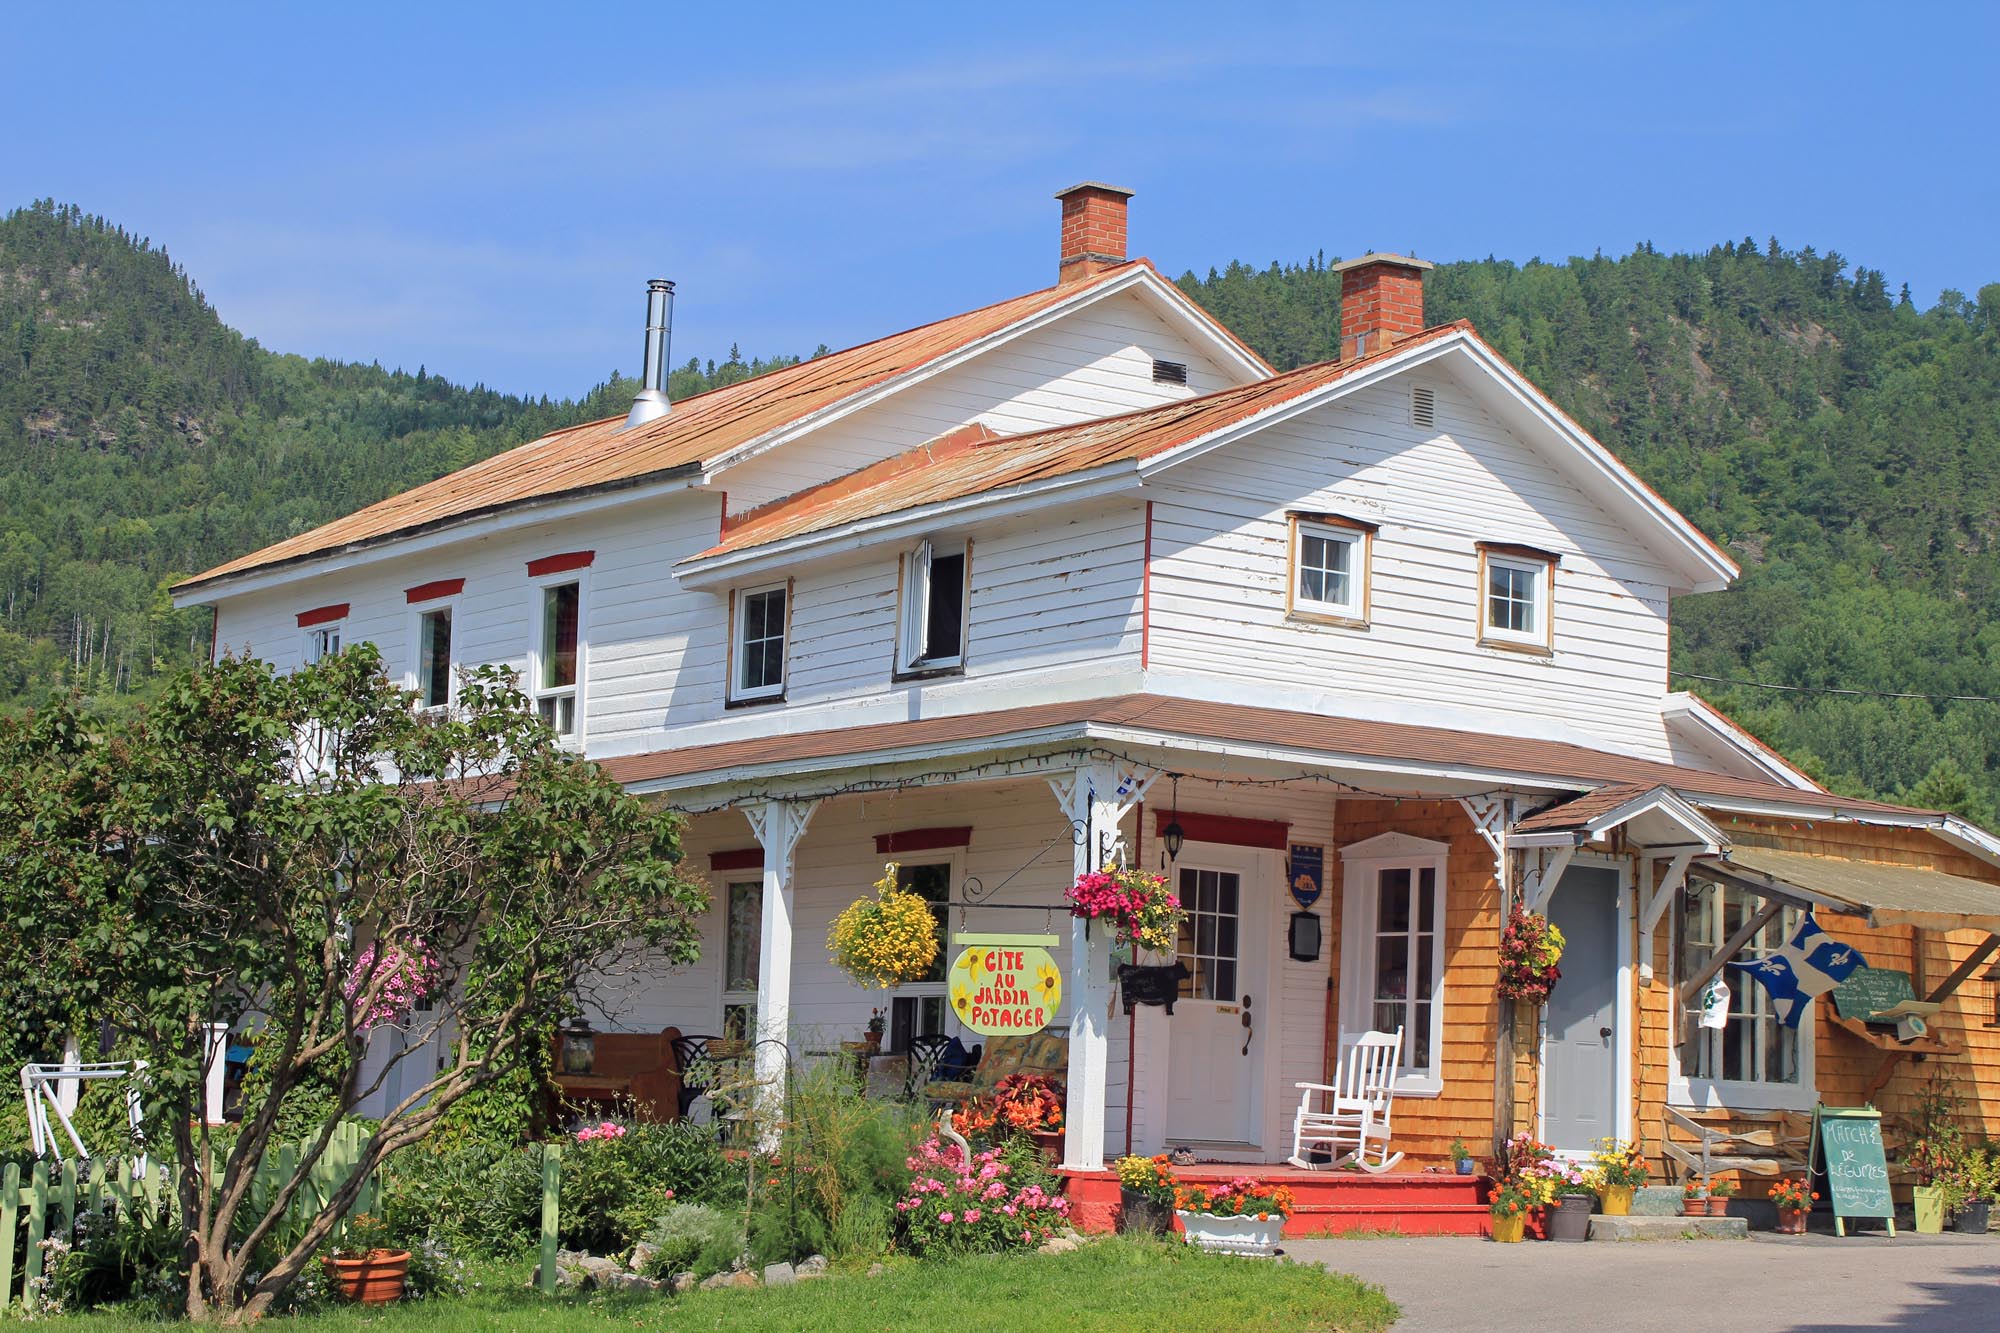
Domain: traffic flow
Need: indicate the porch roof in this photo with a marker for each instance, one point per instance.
(1225, 728)
(1886, 894)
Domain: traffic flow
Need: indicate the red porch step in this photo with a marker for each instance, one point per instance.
(1329, 1203)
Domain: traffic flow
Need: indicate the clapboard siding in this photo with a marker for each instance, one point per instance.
(1220, 566)
(1097, 362)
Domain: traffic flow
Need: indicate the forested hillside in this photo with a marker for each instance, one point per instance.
(141, 439)
(1843, 442)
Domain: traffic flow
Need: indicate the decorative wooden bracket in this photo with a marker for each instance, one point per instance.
(1963, 974)
(1491, 815)
(1654, 901)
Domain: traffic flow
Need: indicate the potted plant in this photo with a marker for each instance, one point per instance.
(1530, 948)
(1512, 1202)
(1031, 1104)
(364, 1267)
(1145, 1195)
(1461, 1160)
(1239, 1216)
(1621, 1170)
(1569, 1210)
(1140, 907)
(1694, 1199)
(1793, 1201)
(1975, 1210)
(875, 1026)
(1720, 1192)
(888, 940)
(1937, 1149)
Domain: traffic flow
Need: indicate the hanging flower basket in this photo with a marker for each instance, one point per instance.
(404, 976)
(1530, 948)
(888, 940)
(1141, 908)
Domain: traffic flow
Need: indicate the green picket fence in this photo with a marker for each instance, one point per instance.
(48, 1200)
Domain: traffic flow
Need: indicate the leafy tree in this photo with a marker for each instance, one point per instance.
(303, 857)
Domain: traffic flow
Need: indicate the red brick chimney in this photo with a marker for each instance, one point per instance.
(1381, 302)
(1093, 229)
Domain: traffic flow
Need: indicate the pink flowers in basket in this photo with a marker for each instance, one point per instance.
(1141, 906)
(403, 976)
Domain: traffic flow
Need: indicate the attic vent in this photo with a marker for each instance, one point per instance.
(1169, 372)
(1423, 406)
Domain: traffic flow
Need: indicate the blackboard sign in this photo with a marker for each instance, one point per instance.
(1870, 990)
(1847, 1151)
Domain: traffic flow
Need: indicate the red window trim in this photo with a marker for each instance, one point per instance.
(1229, 830)
(741, 858)
(922, 839)
(436, 588)
(560, 564)
(322, 615)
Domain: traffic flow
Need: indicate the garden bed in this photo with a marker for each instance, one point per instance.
(1111, 1285)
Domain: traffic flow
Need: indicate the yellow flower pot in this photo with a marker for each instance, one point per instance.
(1617, 1200)
(1509, 1230)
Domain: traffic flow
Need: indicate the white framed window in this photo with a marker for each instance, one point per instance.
(431, 659)
(1516, 588)
(555, 669)
(1392, 951)
(931, 632)
(1754, 1061)
(1329, 569)
(743, 941)
(762, 623)
(918, 1008)
(321, 641)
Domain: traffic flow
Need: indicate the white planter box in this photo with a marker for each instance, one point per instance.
(1232, 1235)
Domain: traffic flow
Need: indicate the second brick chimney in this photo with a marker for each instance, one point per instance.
(1093, 229)
(1381, 302)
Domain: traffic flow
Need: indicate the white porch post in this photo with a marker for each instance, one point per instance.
(1096, 797)
(778, 825)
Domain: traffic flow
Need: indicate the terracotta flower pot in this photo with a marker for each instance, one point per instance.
(1694, 1207)
(1718, 1205)
(1792, 1221)
(375, 1279)
(1510, 1230)
(1050, 1142)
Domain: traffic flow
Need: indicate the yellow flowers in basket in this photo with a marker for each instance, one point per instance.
(887, 940)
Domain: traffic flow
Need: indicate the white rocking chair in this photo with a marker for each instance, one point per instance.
(1352, 1113)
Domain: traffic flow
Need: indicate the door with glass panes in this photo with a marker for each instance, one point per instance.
(1215, 1050)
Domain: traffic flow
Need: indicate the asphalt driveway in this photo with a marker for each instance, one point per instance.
(1941, 1284)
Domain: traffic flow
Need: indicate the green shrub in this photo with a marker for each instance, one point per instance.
(842, 1164)
(691, 1237)
(613, 1189)
(134, 1261)
(479, 1198)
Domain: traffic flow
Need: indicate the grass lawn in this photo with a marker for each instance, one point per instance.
(1113, 1285)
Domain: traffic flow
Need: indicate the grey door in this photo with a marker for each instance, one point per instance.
(1579, 1061)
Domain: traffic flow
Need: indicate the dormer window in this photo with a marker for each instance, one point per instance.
(932, 623)
(1516, 593)
(1329, 568)
(762, 623)
(321, 641)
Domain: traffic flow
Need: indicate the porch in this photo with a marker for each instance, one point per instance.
(1329, 1203)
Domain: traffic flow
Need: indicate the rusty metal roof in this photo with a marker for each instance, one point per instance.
(1333, 737)
(1888, 894)
(602, 455)
(955, 467)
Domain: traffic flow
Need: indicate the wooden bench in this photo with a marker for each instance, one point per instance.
(631, 1073)
(1757, 1143)
(1044, 1053)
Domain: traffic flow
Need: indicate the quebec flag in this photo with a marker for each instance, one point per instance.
(1811, 963)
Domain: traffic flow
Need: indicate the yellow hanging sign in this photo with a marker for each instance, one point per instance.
(1005, 985)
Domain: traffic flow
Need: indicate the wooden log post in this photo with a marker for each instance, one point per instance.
(551, 1216)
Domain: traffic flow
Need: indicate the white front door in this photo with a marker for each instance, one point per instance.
(1219, 1031)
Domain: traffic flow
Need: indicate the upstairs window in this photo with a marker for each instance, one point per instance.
(321, 641)
(932, 635)
(1330, 558)
(762, 622)
(1515, 590)
(434, 657)
(556, 665)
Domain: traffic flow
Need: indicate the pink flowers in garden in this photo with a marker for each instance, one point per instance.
(957, 1206)
(400, 976)
(609, 1129)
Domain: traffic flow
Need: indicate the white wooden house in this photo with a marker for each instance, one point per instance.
(1000, 597)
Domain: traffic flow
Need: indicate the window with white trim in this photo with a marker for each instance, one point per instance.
(1392, 951)
(1514, 598)
(1754, 1060)
(762, 623)
(321, 641)
(433, 673)
(558, 657)
(743, 926)
(1329, 570)
(932, 634)
(917, 1008)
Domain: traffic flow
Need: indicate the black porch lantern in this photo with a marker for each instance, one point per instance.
(1173, 837)
(579, 1052)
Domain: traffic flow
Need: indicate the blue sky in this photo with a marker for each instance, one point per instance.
(485, 190)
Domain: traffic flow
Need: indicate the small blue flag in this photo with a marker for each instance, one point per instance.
(1811, 963)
